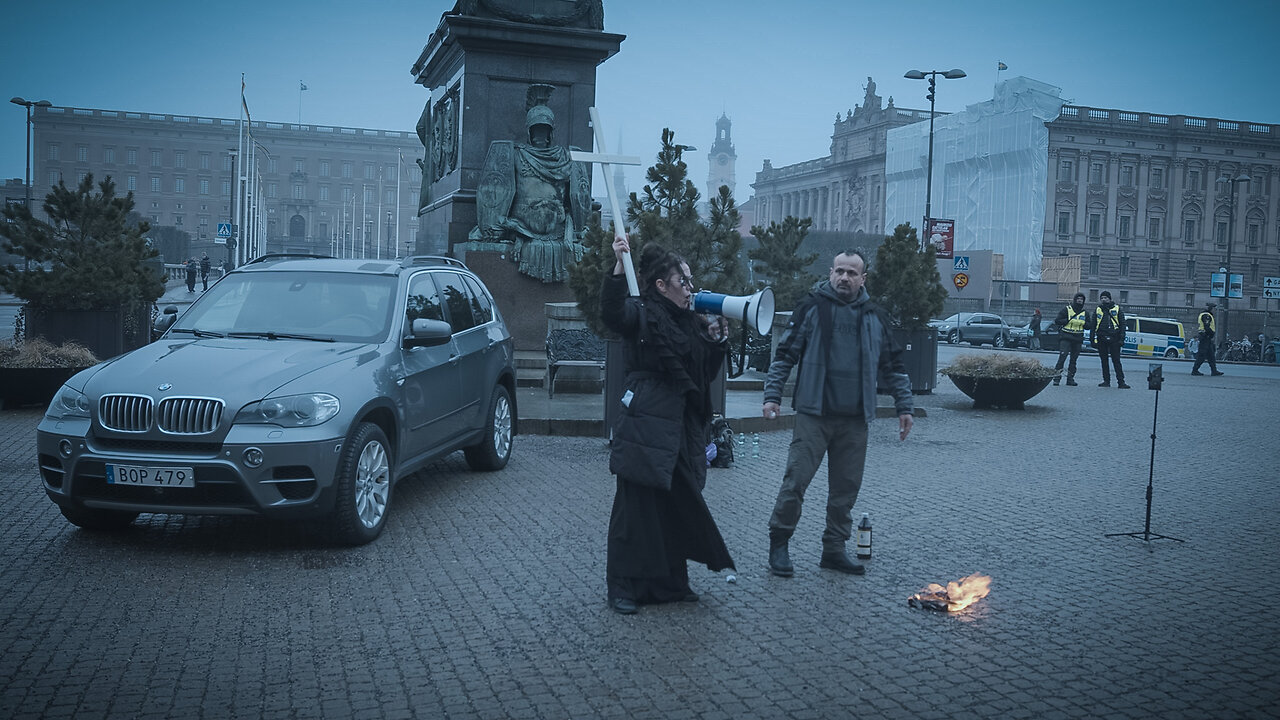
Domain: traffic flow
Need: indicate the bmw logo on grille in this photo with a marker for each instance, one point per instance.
(164, 386)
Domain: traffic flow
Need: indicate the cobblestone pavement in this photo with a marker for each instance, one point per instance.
(485, 596)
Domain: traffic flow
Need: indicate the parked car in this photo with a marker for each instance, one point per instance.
(1020, 336)
(1049, 338)
(973, 328)
(295, 387)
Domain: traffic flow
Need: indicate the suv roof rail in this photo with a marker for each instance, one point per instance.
(423, 260)
(288, 256)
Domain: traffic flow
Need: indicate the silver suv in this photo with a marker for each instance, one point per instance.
(293, 388)
(973, 328)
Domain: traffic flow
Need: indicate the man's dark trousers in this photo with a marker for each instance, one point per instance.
(843, 439)
(1204, 353)
(1069, 346)
(1109, 350)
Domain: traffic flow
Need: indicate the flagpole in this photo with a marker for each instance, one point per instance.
(399, 176)
(379, 251)
(252, 194)
(235, 177)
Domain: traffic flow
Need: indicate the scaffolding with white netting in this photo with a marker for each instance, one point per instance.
(990, 173)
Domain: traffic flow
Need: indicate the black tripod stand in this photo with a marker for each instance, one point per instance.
(1155, 378)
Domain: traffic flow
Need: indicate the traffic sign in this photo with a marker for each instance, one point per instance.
(224, 230)
(1271, 293)
(960, 263)
(1271, 282)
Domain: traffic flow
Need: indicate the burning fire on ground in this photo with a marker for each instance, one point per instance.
(956, 596)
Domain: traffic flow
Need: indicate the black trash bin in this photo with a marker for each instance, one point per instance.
(920, 355)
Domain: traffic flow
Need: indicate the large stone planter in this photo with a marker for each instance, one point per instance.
(991, 392)
(31, 386)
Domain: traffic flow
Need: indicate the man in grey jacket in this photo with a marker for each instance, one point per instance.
(844, 347)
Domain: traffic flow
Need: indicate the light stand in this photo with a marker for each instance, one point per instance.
(932, 75)
(1155, 378)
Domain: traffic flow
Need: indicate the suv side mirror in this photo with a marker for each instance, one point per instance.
(165, 321)
(427, 333)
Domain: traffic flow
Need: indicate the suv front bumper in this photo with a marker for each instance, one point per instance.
(294, 480)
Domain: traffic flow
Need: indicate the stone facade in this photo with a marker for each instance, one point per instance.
(323, 189)
(1140, 198)
(845, 190)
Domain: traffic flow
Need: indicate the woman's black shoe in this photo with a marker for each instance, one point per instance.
(623, 606)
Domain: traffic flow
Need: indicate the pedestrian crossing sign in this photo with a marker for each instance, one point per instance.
(224, 230)
(960, 263)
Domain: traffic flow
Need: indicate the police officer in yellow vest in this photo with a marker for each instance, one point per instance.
(1207, 329)
(1108, 338)
(1072, 321)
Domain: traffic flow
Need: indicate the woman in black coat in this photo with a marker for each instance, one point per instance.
(660, 520)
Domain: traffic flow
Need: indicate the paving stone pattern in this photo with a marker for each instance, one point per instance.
(485, 596)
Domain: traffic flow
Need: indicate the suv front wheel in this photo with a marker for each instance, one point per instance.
(494, 448)
(363, 485)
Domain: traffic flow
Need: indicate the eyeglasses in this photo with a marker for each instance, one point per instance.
(685, 281)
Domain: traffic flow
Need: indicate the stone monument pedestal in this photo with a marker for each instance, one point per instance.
(478, 68)
(520, 298)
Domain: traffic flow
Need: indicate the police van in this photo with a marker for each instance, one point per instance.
(1153, 337)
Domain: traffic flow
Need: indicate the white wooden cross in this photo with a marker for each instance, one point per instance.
(606, 161)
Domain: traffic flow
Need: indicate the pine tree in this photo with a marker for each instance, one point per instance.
(725, 271)
(904, 279)
(88, 256)
(778, 258)
(586, 275)
(667, 211)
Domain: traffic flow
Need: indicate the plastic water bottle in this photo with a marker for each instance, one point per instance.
(755, 446)
(864, 538)
(740, 446)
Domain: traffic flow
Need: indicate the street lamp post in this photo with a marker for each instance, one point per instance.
(1231, 236)
(932, 75)
(28, 104)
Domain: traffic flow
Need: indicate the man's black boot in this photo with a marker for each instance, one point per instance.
(779, 558)
(838, 560)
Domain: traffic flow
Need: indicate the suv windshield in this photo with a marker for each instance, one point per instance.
(347, 307)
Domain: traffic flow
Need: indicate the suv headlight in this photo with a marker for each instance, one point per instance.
(68, 403)
(290, 410)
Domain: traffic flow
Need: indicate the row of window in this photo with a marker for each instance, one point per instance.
(1253, 228)
(1194, 178)
(205, 160)
(1094, 267)
(1153, 298)
(271, 189)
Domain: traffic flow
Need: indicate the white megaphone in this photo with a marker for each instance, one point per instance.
(754, 310)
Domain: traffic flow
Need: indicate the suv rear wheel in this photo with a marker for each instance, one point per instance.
(363, 486)
(999, 341)
(494, 448)
(953, 337)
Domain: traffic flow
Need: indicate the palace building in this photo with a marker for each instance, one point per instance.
(320, 189)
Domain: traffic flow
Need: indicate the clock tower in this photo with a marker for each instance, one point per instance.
(721, 160)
